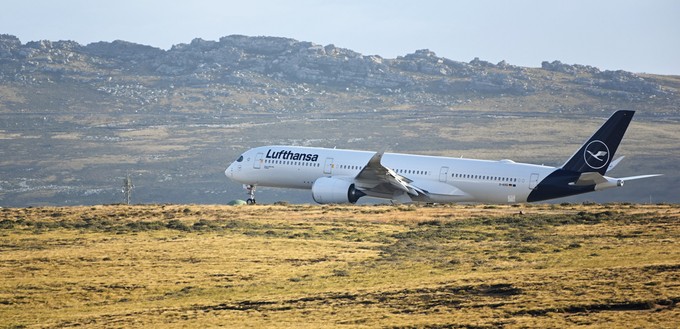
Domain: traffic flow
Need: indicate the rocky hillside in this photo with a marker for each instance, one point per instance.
(70, 111)
(125, 72)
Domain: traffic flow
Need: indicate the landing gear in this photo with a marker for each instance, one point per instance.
(251, 193)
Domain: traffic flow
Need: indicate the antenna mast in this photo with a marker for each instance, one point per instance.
(127, 189)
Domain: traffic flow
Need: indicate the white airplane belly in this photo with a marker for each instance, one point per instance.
(286, 176)
(496, 192)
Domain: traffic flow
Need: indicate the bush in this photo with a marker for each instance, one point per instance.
(340, 273)
(6, 224)
(574, 245)
(205, 225)
(176, 224)
(143, 226)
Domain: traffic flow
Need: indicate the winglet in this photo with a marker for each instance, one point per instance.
(614, 163)
(376, 159)
(597, 152)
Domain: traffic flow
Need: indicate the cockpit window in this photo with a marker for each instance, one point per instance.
(240, 159)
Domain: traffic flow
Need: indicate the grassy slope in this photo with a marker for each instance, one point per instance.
(329, 266)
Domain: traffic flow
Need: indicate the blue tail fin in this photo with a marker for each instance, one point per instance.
(596, 154)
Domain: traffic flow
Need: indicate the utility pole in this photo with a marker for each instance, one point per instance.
(127, 189)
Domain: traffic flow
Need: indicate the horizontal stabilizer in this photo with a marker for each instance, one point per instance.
(589, 178)
(640, 177)
(603, 182)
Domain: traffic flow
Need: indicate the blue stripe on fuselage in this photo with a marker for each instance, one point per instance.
(556, 185)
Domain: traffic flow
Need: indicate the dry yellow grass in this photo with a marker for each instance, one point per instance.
(340, 266)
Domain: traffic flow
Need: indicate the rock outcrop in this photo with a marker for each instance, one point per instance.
(238, 60)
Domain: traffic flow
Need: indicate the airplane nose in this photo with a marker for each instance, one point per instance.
(229, 172)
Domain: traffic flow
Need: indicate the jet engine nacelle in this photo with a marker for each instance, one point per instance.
(335, 190)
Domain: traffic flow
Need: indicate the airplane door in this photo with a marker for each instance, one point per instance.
(443, 173)
(533, 181)
(257, 164)
(328, 167)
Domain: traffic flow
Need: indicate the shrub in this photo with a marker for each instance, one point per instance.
(6, 224)
(176, 224)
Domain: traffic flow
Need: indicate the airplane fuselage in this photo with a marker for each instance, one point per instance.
(446, 179)
(339, 176)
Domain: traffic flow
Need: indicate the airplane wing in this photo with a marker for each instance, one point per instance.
(378, 180)
(595, 178)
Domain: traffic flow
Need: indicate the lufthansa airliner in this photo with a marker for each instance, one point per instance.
(344, 176)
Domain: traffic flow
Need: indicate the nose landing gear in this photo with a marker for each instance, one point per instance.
(251, 193)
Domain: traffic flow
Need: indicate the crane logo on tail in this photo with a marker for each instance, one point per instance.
(596, 154)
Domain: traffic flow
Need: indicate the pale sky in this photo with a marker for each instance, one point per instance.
(637, 36)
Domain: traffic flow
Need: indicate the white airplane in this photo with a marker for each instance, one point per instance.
(344, 176)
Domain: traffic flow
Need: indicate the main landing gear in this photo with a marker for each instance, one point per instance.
(251, 193)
